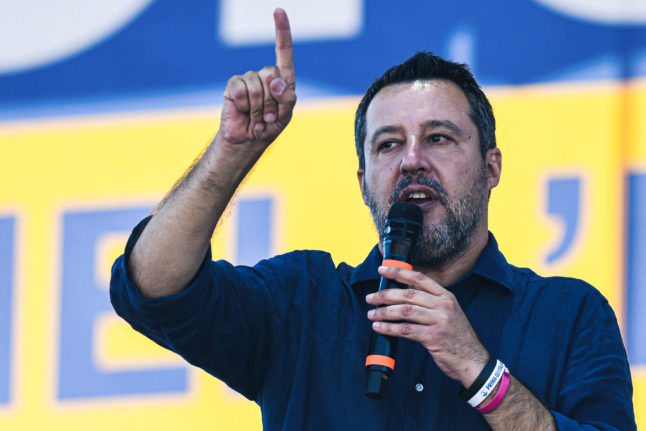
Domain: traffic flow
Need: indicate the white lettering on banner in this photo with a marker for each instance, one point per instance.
(38, 32)
(606, 11)
(248, 22)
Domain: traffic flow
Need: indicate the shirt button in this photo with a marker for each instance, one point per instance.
(419, 387)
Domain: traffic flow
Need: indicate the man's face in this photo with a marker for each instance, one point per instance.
(422, 147)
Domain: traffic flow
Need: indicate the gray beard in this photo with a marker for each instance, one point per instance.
(449, 239)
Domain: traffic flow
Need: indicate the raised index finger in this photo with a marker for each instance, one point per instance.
(284, 50)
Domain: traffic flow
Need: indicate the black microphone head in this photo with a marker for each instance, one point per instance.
(403, 227)
(406, 211)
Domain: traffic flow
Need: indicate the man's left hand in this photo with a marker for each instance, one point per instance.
(429, 314)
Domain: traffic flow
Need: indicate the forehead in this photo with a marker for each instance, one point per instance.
(420, 100)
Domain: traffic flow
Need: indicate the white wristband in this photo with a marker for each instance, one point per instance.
(486, 389)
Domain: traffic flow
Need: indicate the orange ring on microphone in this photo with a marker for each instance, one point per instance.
(397, 264)
(380, 360)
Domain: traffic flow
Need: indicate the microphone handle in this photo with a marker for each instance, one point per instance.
(380, 362)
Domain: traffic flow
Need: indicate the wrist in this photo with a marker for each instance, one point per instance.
(492, 402)
(490, 396)
(238, 147)
(473, 370)
(225, 160)
(485, 384)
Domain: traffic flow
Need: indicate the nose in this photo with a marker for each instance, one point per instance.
(414, 160)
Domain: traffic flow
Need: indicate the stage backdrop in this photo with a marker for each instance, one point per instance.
(103, 105)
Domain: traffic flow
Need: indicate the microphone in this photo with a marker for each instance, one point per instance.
(403, 227)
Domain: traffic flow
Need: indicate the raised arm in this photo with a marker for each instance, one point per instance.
(257, 107)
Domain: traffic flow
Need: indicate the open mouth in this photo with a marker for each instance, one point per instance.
(419, 198)
(419, 195)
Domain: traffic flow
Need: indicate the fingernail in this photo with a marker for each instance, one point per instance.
(371, 313)
(278, 86)
(369, 296)
(269, 117)
(259, 126)
(376, 325)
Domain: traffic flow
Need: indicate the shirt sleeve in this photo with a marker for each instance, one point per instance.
(225, 321)
(597, 389)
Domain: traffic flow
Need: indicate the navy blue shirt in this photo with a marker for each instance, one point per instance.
(291, 333)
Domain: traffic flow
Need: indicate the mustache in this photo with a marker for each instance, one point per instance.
(435, 185)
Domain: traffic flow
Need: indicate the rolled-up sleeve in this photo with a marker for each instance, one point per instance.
(221, 322)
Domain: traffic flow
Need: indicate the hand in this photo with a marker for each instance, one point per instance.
(429, 314)
(258, 105)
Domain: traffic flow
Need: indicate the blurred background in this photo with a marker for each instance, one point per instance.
(103, 105)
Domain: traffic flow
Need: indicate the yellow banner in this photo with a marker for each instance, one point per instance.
(72, 188)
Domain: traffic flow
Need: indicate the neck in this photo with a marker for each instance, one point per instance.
(458, 266)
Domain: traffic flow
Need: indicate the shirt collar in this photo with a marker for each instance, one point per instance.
(367, 270)
(491, 265)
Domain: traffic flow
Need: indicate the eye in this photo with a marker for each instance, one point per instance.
(386, 145)
(438, 138)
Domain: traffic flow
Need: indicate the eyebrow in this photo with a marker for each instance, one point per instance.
(448, 124)
(382, 131)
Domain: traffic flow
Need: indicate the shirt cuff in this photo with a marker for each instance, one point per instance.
(127, 299)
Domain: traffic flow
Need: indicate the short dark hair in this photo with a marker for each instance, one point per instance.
(426, 66)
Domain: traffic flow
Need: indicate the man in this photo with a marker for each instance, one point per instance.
(291, 333)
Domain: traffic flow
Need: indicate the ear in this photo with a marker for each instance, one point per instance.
(493, 160)
(361, 178)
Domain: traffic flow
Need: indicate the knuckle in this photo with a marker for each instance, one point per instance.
(406, 329)
(238, 93)
(442, 320)
(408, 309)
(451, 306)
(234, 80)
(410, 293)
(268, 72)
(250, 74)
(418, 276)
